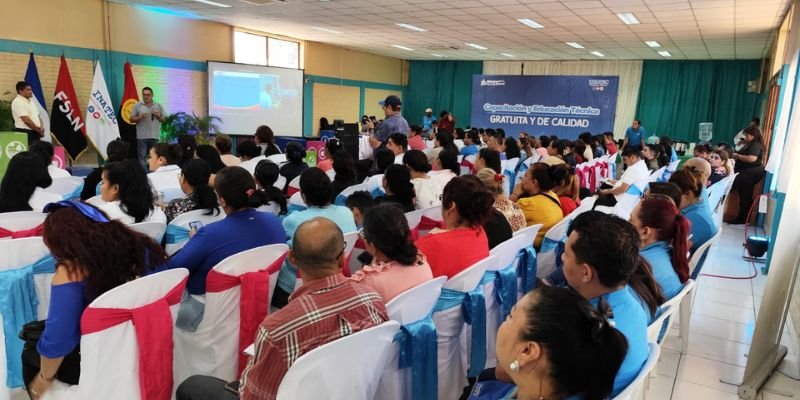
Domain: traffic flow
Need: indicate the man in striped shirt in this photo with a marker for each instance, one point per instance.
(327, 307)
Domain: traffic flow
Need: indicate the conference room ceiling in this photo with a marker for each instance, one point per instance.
(687, 29)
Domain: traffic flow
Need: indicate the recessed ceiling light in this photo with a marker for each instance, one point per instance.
(597, 54)
(412, 27)
(652, 43)
(506, 55)
(437, 55)
(533, 24)
(628, 18)
(575, 45)
(402, 47)
(665, 53)
(475, 46)
(324, 29)
(213, 3)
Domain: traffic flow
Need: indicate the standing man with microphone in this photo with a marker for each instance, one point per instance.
(148, 116)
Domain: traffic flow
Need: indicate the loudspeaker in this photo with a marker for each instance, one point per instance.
(349, 144)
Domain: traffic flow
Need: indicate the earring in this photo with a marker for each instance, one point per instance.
(514, 366)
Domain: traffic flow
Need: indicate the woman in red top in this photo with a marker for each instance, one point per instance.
(567, 188)
(611, 145)
(466, 205)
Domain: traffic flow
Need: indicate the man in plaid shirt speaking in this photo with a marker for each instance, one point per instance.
(327, 307)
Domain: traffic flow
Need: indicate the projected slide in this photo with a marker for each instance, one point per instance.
(246, 96)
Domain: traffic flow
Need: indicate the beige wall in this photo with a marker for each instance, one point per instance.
(62, 22)
(337, 62)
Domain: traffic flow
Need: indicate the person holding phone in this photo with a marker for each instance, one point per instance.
(393, 123)
(148, 116)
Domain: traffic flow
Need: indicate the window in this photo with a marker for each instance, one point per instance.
(249, 48)
(283, 53)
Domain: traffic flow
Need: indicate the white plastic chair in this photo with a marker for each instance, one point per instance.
(67, 187)
(635, 391)
(452, 336)
(155, 230)
(694, 261)
(654, 328)
(16, 254)
(21, 221)
(277, 158)
(213, 349)
(319, 374)
(110, 358)
(529, 232)
(408, 307)
(182, 222)
(681, 304)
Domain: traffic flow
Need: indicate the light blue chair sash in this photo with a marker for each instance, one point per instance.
(377, 192)
(340, 200)
(418, 350)
(97, 188)
(510, 175)
(18, 304)
(634, 190)
(294, 207)
(76, 194)
(527, 268)
(473, 306)
(176, 234)
(505, 286)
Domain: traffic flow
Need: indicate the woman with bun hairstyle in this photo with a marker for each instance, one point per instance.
(536, 198)
(692, 206)
(266, 174)
(194, 177)
(398, 187)
(427, 190)
(493, 182)
(295, 165)
(465, 208)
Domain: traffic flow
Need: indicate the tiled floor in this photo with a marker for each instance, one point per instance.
(722, 324)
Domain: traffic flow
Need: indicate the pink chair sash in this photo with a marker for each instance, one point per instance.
(581, 177)
(592, 177)
(37, 231)
(604, 169)
(153, 325)
(253, 303)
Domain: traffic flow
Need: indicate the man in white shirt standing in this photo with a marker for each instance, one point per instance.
(148, 116)
(26, 114)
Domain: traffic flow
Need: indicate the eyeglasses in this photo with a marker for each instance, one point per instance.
(715, 157)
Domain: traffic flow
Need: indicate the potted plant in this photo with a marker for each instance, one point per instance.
(202, 128)
(6, 120)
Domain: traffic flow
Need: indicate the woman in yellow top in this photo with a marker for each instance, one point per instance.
(535, 197)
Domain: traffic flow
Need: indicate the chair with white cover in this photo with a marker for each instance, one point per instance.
(431, 218)
(280, 183)
(294, 186)
(461, 350)
(296, 203)
(509, 168)
(25, 263)
(673, 166)
(350, 240)
(342, 197)
(319, 374)
(467, 164)
(113, 364)
(177, 233)
(628, 201)
(681, 304)
(459, 144)
(522, 168)
(277, 158)
(20, 224)
(331, 173)
(153, 229)
(636, 389)
(250, 165)
(416, 340)
(550, 250)
(67, 187)
(413, 218)
(527, 265)
(170, 193)
(656, 175)
(215, 347)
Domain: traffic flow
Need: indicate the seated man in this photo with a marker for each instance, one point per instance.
(600, 266)
(327, 307)
(636, 171)
(398, 144)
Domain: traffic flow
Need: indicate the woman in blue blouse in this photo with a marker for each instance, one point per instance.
(693, 207)
(553, 345)
(665, 236)
(93, 255)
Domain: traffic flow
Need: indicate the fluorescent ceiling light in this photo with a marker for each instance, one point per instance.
(213, 3)
(475, 46)
(652, 43)
(628, 18)
(402, 47)
(597, 53)
(533, 24)
(437, 55)
(324, 29)
(412, 27)
(665, 53)
(506, 55)
(574, 45)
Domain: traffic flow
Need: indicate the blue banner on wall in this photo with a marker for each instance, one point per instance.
(563, 106)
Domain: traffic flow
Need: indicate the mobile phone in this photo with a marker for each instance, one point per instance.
(196, 225)
(232, 387)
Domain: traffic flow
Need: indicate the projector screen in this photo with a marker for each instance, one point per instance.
(246, 96)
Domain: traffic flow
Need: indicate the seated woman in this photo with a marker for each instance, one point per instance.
(21, 188)
(127, 195)
(396, 265)
(332, 146)
(555, 151)
(655, 157)
(720, 167)
(163, 164)
(45, 150)
(265, 139)
(496, 226)
(295, 165)
(493, 182)
(398, 187)
(86, 269)
(242, 229)
(194, 184)
(266, 174)
(247, 151)
(223, 145)
(345, 169)
(511, 148)
(567, 188)
(693, 207)
(210, 155)
(117, 150)
(188, 147)
(427, 191)
(445, 168)
(488, 158)
(665, 240)
(553, 345)
(534, 195)
(465, 207)
(442, 141)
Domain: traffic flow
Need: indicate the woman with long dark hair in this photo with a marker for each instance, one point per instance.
(445, 168)
(398, 187)
(209, 154)
(511, 148)
(25, 176)
(295, 165)
(266, 174)
(127, 194)
(93, 254)
(194, 184)
(396, 264)
(427, 191)
(345, 169)
(750, 167)
(265, 139)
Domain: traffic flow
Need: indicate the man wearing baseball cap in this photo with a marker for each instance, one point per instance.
(393, 123)
(427, 120)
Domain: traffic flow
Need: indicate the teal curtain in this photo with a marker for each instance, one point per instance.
(676, 96)
(440, 85)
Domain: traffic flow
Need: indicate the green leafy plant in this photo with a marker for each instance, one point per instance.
(6, 119)
(202, 128)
